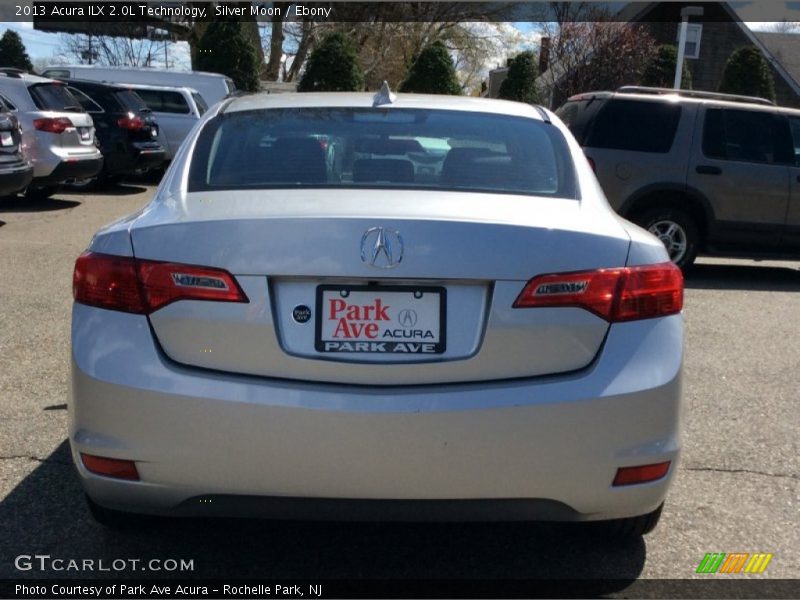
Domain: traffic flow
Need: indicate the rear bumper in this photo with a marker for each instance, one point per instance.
(544, 448)
(74, 168)
(16, 179)
(137, 157)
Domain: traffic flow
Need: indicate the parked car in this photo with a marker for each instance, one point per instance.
(16, 171)
(212, 86)
(282, 334)
(177, 110)
(58, 136)
(707, 173)
(125, 126)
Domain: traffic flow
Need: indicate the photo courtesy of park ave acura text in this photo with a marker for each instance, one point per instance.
(399, 299)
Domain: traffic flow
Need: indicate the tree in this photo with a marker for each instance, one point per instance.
(748, 73)
(592, 55)
(432, 72)
(520, 83)
(224, 49)
(116, 51)
(660, 70)
(13, 53)
(333, 67)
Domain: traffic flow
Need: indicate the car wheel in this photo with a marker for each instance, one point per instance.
(631, 528)
(40, 193)
(677, 231)
(115, 519)
(83, 184)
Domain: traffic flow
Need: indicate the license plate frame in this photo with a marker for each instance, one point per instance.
(393, 345)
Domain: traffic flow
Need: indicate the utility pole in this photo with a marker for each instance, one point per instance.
(689, 11)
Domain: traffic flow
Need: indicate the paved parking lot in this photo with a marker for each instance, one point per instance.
(737, 489)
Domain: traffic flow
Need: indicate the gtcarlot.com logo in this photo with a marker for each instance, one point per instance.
(736, 562)
(46, 562)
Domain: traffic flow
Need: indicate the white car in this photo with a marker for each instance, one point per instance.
(291, 334)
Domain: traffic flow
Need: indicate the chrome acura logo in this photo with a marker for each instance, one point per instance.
(382, 248)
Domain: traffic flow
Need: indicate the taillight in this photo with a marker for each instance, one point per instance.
(143, 286)
(131, 122)
(110, 467)
(53, 124)
(623, 294)
(641, 474)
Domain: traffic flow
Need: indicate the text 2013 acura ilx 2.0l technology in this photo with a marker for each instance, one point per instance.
(352, 306)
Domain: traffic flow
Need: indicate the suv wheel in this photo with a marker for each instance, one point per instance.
(40, 193)
(676, 230)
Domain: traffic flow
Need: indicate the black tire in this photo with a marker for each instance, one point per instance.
(631, 528)
(671, 225)
(40, 193)
(116, 519)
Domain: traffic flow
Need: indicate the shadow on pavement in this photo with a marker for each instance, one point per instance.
(46, 514)
(108, 189)
(21, 204)
(743, 277)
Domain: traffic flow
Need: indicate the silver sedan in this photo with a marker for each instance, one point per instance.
(369, 307)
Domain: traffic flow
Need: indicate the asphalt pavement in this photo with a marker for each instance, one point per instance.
(737, 489)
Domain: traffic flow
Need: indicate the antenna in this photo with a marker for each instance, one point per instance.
(384, 96)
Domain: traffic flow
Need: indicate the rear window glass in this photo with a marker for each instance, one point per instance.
(85, 101)
(202, 107)
(53, 96)
(165, 101)
(634, 125)
(578, 114)
(395, 148)
(130, 100)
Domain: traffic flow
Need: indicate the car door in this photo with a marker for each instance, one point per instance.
(791, 238)
(741, 168)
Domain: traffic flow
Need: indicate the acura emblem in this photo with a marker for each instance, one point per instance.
(381, 247)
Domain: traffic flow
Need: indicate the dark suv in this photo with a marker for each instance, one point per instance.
(16, 171)
(126, 129)
(707, 173)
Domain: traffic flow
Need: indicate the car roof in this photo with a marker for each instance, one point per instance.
(139, 69)
(150, 86)
(88, 84)
(265, 100)
(665, 96)
(25, 78)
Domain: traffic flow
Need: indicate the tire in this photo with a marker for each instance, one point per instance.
(631, 528)
(676, 229)
(116, 519)
(40, 193)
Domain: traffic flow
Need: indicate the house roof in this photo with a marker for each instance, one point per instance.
(785, 47)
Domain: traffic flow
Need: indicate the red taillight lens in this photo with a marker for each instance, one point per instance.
(641, 474)
(110, 467)
(53, 125)
(130, 122)
(143, 286)
(624, 294)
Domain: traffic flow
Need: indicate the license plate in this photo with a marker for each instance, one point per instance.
(6, 139)
(380, 319)
(84, 133)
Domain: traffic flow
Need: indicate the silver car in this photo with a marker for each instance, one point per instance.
(58, 135)
(294, 329)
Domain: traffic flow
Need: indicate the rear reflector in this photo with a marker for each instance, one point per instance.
(642, 474)
(110, 467)
(624, 294)
(53, 125)
(143, 286)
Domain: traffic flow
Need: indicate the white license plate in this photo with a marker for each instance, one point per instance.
(84, 133)
(6, 139)
(381, 319)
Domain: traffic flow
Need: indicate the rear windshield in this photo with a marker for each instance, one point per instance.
(130, 101)
(53, 96)
(394, 148)
(165, 101)
(202, 107)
